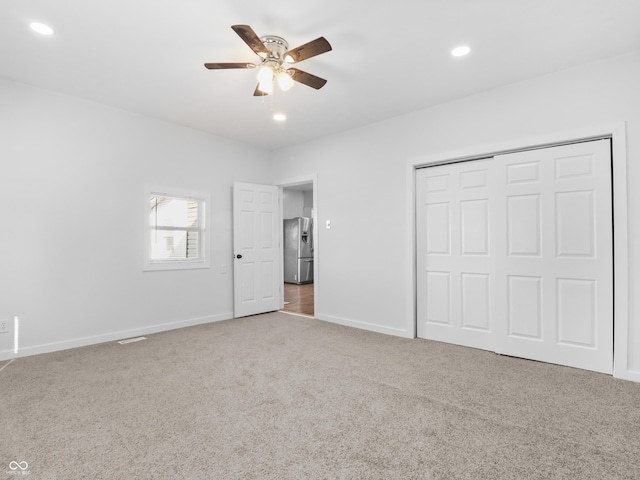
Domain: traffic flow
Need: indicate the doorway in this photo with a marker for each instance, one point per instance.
(299, 284)
(298, 299)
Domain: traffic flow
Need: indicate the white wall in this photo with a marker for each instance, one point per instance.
(292, 203)
(297, 203)
(72, 181)
(365, 276)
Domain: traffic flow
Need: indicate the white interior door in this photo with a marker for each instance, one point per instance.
(515, 254)
(456, 253)
(555, 271)
(256, 236)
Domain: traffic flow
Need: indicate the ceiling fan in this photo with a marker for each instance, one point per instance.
(275, 56)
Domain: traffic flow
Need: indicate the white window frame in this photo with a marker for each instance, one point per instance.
(204, 201)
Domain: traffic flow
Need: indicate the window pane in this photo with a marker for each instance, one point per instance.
(174, 245)
(173, 212)
(175, 236)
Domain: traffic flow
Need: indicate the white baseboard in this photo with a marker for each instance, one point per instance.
(398, 332)
(630, 375)
(111, 337)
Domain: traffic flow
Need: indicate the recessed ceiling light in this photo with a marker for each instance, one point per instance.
(460, 51)
(41, 28)
(279, 117)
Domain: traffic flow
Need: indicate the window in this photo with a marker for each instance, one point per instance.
(175, 234)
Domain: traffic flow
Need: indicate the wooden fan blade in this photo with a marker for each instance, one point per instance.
(307, 78)
(220, 66)
(308, 50)
(246, 33)
(259, 93)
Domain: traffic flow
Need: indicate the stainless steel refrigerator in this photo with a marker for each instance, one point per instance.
(298, 250)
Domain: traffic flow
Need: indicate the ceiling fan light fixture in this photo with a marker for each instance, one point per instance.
(265, 74)
(285, 82)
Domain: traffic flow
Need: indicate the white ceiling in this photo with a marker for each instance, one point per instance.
(147, 56)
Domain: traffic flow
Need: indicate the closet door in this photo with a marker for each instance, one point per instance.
(515, 254)
(455, 251)
(555, 267)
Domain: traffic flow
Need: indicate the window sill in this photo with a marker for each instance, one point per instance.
(176, 265)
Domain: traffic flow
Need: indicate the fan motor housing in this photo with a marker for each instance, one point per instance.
(277, 46)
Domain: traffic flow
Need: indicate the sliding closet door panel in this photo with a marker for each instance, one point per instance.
(455, 249)
(557, 268)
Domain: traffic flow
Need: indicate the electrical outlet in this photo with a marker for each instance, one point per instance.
(4, 325)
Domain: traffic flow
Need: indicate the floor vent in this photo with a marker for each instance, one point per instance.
(131, 340)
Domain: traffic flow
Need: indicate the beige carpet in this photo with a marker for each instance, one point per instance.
(283, 397)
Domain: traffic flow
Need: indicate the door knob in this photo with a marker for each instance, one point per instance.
(238, 256)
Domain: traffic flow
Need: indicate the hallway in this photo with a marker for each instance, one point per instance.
(298, 299)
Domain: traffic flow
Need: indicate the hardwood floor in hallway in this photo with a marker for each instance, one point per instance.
(298, 299)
